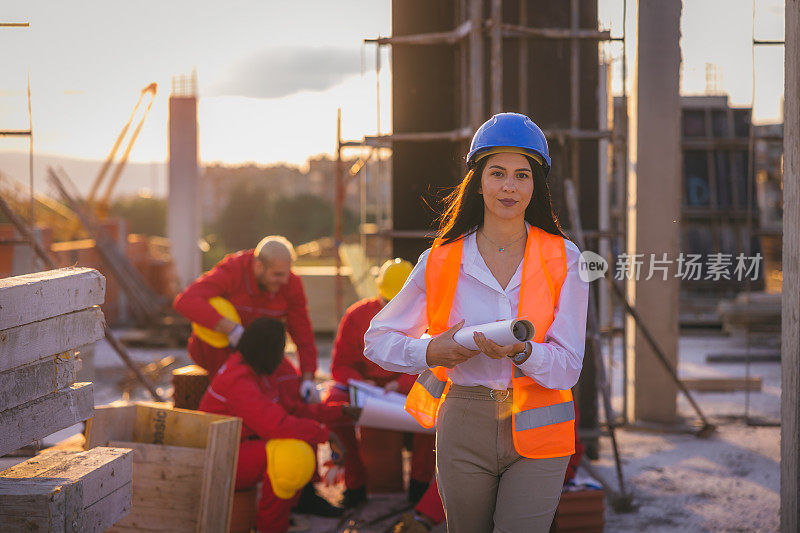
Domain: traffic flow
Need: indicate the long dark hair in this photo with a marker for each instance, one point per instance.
(463, 207)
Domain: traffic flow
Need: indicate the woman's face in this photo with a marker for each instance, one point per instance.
(507, 185)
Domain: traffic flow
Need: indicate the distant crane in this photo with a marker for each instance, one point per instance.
(102, 205)
(54, 214)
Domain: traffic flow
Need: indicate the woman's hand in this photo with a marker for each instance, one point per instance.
(444, 351)
(494, 350)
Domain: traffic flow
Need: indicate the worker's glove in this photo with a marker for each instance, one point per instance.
(235, 336)
(309, 392)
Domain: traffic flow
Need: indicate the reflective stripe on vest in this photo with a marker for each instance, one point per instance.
(543, 419)
(432, 384)
(544, 416)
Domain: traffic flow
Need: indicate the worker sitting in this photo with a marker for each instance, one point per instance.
(348, 362)
(259, 283)
(259, 385)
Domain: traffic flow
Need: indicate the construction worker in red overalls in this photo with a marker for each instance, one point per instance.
(349, 363)
(260, 386)
(259, 283)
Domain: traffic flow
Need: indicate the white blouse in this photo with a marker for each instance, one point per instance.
(393, 338)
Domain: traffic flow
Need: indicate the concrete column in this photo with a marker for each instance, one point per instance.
(654, 188)
(183, 213)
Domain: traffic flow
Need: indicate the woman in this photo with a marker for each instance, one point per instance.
(505, 426)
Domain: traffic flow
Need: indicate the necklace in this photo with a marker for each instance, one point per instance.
(501, 248)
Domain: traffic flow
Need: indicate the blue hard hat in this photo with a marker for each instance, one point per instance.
(512, 130)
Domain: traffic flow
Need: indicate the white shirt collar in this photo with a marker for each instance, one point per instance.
(473, 264)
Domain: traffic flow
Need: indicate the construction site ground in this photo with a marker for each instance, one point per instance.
(727, 482)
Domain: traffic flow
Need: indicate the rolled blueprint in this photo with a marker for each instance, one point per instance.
(382, 409)
(386, 413)
(503, 333)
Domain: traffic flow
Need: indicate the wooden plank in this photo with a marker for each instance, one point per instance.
(110, 423)
(34, 420)
(219, 475)
(108, 511)
(182, 493)
(100, 471)
(169, 472)
(170, 496)
(75, 443)
(722, 384)
(67, 491)
(176, 427)
(152, 507)
(158, 521)
(774, 357)
(790, 311)
(33, 297)
(31, 342)
(162, 453)
(26, 523)
(27, 383)
(36, 465)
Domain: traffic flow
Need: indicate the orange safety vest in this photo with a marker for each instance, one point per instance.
(543, 419)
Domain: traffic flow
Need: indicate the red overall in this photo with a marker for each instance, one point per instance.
(270, 407)
(349, 363)
(233, 279)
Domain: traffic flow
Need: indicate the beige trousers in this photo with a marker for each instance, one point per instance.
(485, 485)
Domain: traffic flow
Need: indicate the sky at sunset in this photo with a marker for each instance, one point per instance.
(272, 73)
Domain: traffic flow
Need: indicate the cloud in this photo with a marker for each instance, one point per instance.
(279, 72)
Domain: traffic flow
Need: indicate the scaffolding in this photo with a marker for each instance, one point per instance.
(29, 134)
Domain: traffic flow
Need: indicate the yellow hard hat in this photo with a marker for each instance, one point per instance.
(290, 465)
(392, 276)
(215, 338)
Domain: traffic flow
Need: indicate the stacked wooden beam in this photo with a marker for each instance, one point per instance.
(44, 318)
(67, 491)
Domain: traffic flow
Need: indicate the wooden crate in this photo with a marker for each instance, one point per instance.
(580, 511)
(184, 464)
(67, 491)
